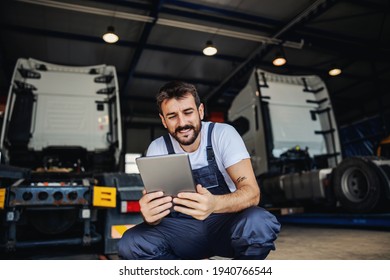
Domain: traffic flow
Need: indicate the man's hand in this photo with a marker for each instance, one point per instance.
(155, 206)
(198, 205)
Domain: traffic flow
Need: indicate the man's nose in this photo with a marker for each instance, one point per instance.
(182, 120)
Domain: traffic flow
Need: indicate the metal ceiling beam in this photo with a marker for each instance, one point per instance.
(93, 39)
(251, 21)
(220, 16)
(164, 22)
(142, 43)
(126, 3)
(216, 12)
(203, 12)
(122, 43)
(88, 10)
(330, 45)
(63, 35)
(308, 13)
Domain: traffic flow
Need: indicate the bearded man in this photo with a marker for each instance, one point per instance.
(222, 217)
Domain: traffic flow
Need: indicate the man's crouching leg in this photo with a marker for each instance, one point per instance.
(144, 242)
(172, 238)
(254, 231)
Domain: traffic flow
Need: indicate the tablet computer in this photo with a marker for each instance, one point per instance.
(168, 173)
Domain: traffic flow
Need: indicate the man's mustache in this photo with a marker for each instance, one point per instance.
(184, 128)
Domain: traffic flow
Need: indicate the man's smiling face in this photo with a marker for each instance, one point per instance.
(183, 120)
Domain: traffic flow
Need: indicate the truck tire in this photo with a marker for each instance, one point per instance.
(357, 185)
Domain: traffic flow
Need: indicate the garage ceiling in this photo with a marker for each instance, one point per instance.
(163, 40)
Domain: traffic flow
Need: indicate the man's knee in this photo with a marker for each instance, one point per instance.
(255, 233)
(138, 243)
(126, 245)
(264, 220)
(260, 220)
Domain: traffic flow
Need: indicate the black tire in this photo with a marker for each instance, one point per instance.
(357, 185)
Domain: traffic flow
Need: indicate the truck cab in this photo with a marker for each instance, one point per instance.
(288, 125)
(63, 117)
(61, 157)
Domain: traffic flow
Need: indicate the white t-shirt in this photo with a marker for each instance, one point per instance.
(228, 146)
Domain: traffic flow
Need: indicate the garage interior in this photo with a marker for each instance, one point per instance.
(161, 41)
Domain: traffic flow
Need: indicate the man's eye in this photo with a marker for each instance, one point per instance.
(188, 113)
(171, 117)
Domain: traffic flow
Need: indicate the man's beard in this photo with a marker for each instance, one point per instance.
(190, 140)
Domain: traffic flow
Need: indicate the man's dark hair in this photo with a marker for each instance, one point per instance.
(176, 90)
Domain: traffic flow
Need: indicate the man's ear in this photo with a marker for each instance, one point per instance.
(201, 111)
(163, 120)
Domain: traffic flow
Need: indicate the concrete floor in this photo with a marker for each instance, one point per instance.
(296, 242)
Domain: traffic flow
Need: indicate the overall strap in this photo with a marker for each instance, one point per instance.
(209, 148)
(168, 143)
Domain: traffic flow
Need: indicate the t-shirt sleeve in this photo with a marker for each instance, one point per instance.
(230, 145)
(157, 148)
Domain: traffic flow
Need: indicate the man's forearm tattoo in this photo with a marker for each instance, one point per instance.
(240, 179)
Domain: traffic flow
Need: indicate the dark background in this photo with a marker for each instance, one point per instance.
(163, 40)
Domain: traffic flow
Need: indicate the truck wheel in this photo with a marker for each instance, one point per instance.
(357, 185)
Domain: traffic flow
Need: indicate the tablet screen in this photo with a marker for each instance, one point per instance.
(168, 173)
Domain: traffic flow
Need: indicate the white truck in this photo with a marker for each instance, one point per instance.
(288, 125)
(61, 153)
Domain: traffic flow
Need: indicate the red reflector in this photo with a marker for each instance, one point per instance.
(133, 206)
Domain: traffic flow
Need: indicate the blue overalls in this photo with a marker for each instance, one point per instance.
(248, 234)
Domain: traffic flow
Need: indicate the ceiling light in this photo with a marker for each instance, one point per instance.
(279, 60)
(209, 50)
(334, 71)
(110, 36)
